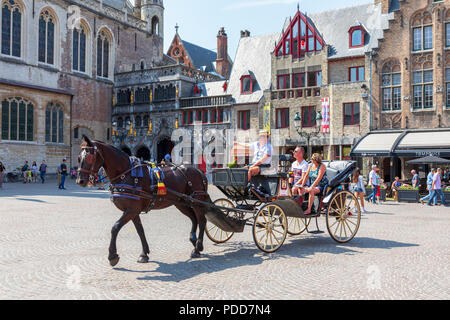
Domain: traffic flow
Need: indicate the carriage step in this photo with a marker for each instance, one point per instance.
(316, 232)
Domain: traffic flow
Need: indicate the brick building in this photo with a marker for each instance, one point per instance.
(57, 65)
(411, 88)
(314, 63)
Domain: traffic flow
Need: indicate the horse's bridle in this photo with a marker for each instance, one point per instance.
(91, 159)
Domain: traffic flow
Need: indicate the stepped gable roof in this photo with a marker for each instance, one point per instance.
(334, 26)
(253, 57)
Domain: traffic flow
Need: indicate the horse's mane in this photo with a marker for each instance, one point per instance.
(118, 151)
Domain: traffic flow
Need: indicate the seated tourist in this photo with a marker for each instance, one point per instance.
(262, 154)
(299, 168)
(318, 181)
(395, 187)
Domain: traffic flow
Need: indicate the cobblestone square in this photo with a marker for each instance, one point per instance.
(54, 245)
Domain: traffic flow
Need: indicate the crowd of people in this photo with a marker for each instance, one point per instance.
(34, 173)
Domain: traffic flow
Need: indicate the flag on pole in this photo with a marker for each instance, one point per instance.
(325, 115)
(266, 117)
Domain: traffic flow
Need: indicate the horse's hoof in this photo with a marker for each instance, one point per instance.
(143, 259)
(114, 261)
(195, 254)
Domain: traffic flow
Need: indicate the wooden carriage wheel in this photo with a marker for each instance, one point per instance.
(297, 226)
(343, 216)
(214, 233)
(270, 228)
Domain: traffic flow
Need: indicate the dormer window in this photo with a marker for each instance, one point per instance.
(356, 37)
(246, 84)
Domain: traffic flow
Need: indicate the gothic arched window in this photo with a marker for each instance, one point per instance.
(46, 42)
(54, 123)
(155, 25)
(422, 31)
(104, 53)
(80, 42)
(17, 119)
(11, 28)
(391, 86)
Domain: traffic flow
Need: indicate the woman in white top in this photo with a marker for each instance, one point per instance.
(358, 188)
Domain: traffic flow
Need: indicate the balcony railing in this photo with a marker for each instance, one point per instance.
(205, 101)
(296, 93)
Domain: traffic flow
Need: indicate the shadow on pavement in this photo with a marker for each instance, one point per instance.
(247, 254)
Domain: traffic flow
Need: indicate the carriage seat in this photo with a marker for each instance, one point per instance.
(337, 171)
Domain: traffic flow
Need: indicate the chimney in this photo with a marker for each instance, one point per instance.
(137, 9)
(222, 63)
(384, 5)
(245, 34)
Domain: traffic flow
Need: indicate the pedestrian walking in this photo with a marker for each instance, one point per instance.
(43, 170)
(2, 173)
(436, 188)
(373, 183)
(25, 172)
(415, 179)
(63, 169)
(429, 185)
(101, 178)
(34, 170)
(358, 188)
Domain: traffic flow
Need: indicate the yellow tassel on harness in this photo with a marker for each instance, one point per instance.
(161, 189)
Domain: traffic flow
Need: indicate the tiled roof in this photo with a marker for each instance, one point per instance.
(333, 27)
(335, 24)
(202, 58)
(252, 57)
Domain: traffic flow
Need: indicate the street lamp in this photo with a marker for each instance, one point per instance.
(308, 134)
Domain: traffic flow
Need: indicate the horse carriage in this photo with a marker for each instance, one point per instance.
(267, 204)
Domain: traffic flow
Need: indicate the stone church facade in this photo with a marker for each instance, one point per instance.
(57, 65)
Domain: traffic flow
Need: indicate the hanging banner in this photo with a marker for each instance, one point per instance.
(325, 115)
(266, 117)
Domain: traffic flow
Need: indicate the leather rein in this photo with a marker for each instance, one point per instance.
(91, 158)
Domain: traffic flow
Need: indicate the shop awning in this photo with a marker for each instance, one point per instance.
(376, 144)
(406, 143)
(422, 144)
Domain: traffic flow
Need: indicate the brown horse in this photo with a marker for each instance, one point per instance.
(137, 194)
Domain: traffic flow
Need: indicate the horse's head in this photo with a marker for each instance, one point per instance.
(90, 160)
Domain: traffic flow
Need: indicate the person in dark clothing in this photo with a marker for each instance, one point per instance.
(43, 170)
(2, 172)
(25, 172)
(63, 170)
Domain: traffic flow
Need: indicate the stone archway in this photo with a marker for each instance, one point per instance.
(143, 153)
(126, 150)
(164, 146)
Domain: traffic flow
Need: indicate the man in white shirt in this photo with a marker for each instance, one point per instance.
(262, 154)
(299, 168)
(373, 182)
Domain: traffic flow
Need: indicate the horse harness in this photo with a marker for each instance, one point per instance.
(134, 192)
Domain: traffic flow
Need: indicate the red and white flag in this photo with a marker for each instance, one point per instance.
(325, 115)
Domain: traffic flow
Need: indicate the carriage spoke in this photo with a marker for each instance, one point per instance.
(350, 229)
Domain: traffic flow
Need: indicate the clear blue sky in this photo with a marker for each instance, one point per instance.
(200, 20)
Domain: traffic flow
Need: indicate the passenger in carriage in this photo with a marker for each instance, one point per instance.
(318, 181)
(262, 154)
(299, 168)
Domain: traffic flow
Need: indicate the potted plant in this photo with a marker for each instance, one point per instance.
(408, 194)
